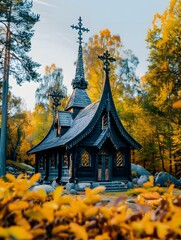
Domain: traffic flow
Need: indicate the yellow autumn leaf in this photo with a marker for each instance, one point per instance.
(20, 176)
(19, 233)
(60, 228)
(3, 232)
(91, 212)
(92, 199)
(79, 231)
(37, 232)
(21, 221)
(150, 183)
(177, 104)
(98, 190)
(2, 192)
(162, 229)
(39, 195)
(150, 195)
(104, 236)
(52, 205)
(106, 212)
(149, 228)
(57, 193)
(170, 189)
(34, 179)
(10, 177)
(18, 205)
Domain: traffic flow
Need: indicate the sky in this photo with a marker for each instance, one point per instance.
(54, 41)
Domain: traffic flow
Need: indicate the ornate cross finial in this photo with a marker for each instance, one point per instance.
(106, 60)
(56, 98)
(80, 30)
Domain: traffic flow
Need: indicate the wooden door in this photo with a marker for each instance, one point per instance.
(104, 168)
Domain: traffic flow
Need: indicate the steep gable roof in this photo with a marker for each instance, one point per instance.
(78, 125)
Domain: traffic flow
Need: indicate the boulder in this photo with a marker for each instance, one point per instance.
(73, 192)
(10, 169)
(164, 179)
(47, 188)
(130, 185)
(82, 186)
(55, 184)
(138, 170)
(142, 179)
(134, 180)
(70, 186)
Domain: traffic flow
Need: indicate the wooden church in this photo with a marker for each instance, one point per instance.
(87, 141)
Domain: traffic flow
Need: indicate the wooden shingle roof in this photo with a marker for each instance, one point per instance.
(79, 124)
(79, 98)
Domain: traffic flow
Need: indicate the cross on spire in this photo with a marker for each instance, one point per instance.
(80, 30)
(56, 98)
(106, 60)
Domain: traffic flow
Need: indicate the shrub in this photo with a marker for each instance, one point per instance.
(36, 215)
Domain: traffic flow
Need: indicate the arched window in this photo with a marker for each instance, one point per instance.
(120, 159)
(85, 159)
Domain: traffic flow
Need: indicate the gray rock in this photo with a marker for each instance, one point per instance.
(73, 192)
(10, 169)
(142, 179)
(134, 180)
(47, 188)
(138, 170)
(164, 179)
(82, 186)
(46, 182)
(70, 186)
(54, 184)
(35, 184)
(130, 185)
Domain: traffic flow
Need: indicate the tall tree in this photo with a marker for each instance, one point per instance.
(122, 77)
(16, 27)
(163, 77)
(51, 82)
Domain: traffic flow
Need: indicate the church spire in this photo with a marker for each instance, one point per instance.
(79, 80)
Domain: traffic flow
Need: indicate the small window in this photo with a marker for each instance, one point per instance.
(120, 159)
(104, 121)
(85, 159)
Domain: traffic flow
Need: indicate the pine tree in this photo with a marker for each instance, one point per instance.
(16, 30)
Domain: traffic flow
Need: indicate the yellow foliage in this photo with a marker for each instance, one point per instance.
(177, 104)
(15, 232)
(104, 236)
(18, 205)
(36, 215)
(79, 231)
(34, 179)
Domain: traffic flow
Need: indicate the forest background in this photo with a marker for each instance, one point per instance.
(147, 106)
